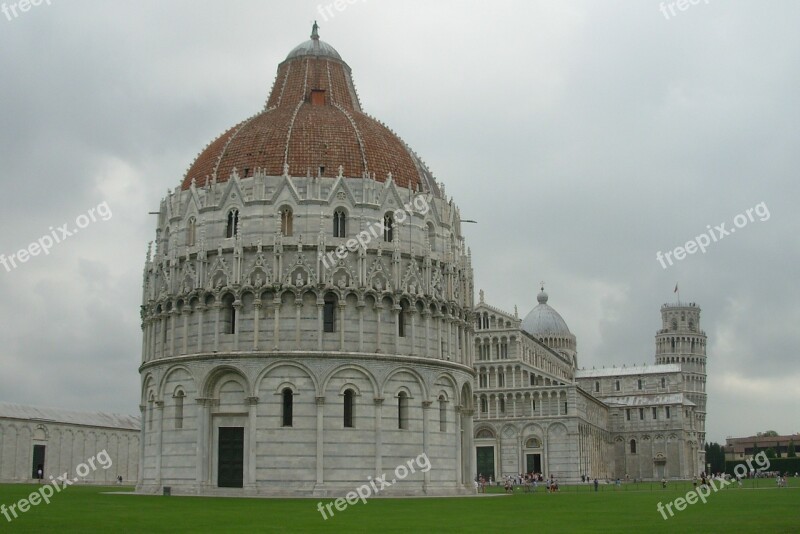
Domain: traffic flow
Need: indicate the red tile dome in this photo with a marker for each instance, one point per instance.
(313, 123)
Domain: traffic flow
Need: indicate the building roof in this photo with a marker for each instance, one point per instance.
(543, 320)
(647, 400)
(763, 442)
(311, 125)
(10, 410)
(662, 368)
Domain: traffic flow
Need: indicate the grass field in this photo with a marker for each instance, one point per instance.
(755, 508)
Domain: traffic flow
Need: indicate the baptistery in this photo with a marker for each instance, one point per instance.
(307, 307)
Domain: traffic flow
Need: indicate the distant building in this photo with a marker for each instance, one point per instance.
(57, 441)
(747, 447)
(537, 412)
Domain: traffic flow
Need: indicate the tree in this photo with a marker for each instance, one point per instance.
(715, 456)
(791, 452)
(770, 453)
(768, 434)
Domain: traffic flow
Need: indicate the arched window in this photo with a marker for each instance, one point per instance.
(329, 313)
(484, 433)
(402, 411)
(232, 228)
(150, 414)
(287, 406)
(179, 396)
(191, 231)
(166, 241)
(228, 325)
(442, 414)
(484, 405)
(432, 236)
(287, 219)
(633, 446)
(349, 401)
(339, 223)
(401, 320)
(388, 227)
(533, 443)
(502, 405)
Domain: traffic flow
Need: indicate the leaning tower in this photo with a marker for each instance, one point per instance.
(680, 341)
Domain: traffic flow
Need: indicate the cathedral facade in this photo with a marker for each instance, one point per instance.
(306, 311)
(537, 412)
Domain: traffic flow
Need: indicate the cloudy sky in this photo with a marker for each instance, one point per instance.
(584, 137)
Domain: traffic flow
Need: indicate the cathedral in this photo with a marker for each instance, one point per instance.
(537, 412)
(309, 324)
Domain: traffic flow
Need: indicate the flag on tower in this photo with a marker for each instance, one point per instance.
(676, 288)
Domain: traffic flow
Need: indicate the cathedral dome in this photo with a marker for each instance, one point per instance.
(544, 320)
(312, 124)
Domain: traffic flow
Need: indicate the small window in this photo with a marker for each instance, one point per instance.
(639, 383)
(287, 221)
(501, 380)
(349, 398)
(166, 242)
(663, 382)
(666, 412)
(633, 446)
(228, 315)
(232, 228)
(388, 228)
(287, 406)
(401, 322)
(402, 411)
(565, 408)
(442, 414)
(339, 223)
(641, 414)
(616, 385)
(502, 405)
(191, 231)
(655, 414)
(484, 405)
(329, 314)
(627, 414)
(179, 409)
(317, 97)
(432, 240)
(597, 387)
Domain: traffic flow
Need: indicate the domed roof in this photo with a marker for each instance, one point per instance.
(312, 124)
(544, 320)
(314, 47)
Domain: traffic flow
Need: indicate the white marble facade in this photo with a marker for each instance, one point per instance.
(64, 440)
(536, 411)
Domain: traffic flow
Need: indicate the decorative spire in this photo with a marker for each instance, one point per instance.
(315, 31)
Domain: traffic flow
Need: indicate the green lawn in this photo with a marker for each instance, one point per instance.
(632, 508)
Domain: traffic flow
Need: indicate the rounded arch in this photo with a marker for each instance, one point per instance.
(450, 379)
(149, 385)
(302, 367)
(169, 372)
(212, 379)
(352, 366)
(420, 381)
(466, 396)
